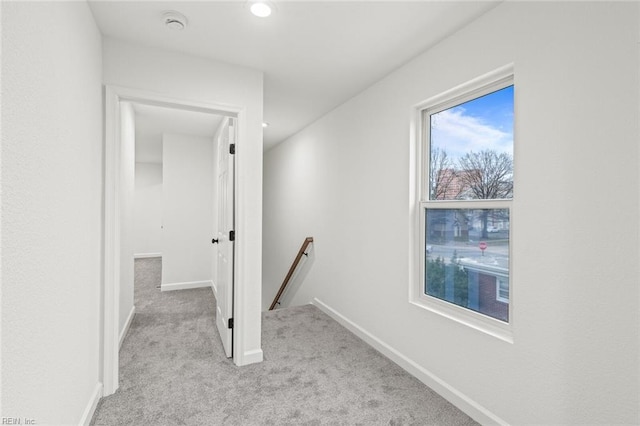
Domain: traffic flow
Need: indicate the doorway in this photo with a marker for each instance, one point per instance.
(118, 220)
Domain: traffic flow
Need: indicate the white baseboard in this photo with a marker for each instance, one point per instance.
(127, 324)
(146, 255)
(185, 286)
(85, 420)
(457, 398)
(252, 357)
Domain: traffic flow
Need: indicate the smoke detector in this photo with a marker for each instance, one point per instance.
(174, 20)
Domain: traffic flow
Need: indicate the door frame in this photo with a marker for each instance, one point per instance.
(114, 95)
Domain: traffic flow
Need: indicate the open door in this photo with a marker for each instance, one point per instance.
(225, 237)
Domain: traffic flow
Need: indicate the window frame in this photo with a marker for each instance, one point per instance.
(473, 89)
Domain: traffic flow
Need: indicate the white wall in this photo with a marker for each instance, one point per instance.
(187, 208)
(148, 209)
(201, 80)
(127, 193)
(345, 180)
(51, 211)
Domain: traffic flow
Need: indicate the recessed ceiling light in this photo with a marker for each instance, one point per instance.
(174, 20)
(265, 124)
(261, 9)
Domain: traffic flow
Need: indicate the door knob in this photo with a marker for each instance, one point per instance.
(214, 241)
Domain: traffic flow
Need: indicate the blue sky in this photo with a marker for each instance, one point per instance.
(482, 123)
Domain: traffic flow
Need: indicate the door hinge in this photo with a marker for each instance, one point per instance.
(232, 148)
(232, 235)
(230, 323)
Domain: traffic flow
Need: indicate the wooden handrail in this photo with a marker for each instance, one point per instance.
(294, 265)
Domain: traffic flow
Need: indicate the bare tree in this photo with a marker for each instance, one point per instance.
(486, 175)
(441, 175)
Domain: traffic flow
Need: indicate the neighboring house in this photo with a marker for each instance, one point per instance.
(451, 184)
(488, 286)
(448, 225)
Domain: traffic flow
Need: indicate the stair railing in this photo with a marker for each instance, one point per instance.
(294, 265)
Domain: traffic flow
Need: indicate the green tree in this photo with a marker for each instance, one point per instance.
(438, 273)
(435, 277)
(460, 281)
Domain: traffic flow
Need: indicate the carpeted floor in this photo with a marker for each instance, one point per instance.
(173, 371)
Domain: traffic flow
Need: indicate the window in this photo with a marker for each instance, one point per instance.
(502, 290)
(466, 191)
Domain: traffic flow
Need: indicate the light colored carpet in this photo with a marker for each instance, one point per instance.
(173, 371)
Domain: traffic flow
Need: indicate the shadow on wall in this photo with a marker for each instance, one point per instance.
(298, 277)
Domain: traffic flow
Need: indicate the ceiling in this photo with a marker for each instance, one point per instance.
(315, 55)
(151, 122)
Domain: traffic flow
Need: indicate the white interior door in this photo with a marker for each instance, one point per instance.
(224, 309)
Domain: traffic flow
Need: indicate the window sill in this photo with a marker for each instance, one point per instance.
(482, 323)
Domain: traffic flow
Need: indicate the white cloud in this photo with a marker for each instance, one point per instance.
(458, 134)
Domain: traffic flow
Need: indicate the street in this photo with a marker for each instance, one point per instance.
(495, 248)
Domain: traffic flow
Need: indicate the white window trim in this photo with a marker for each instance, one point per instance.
(419, 201)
